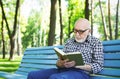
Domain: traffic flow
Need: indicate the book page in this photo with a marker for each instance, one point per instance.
(59, 51)
(72, 56)
(73, 53)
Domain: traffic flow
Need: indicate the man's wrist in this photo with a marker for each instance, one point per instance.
(59, 65)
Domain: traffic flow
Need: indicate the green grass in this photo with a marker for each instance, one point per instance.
(9, 66)
(2, 78)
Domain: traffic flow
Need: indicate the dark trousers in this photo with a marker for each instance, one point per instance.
(67, 73)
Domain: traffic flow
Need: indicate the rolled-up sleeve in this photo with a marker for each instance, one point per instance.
(98, 57)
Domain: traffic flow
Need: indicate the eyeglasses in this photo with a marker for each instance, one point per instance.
(80, 31)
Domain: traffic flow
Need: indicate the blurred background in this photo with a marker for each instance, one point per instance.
(36, 23)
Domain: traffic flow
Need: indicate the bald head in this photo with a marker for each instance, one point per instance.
(81, 30)
(82, 24)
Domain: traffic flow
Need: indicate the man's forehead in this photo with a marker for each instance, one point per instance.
(82, 24)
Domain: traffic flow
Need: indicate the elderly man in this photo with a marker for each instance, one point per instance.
(92, 53)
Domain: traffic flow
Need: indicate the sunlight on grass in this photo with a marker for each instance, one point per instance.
(2, 78)
(9, 66)
(8, 69)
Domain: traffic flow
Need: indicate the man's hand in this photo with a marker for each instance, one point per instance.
(60, 63)
(85, 67)
(65, 63)
(69, 64)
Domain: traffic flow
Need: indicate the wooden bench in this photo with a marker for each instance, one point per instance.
(45, 57)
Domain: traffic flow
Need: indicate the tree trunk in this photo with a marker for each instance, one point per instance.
(12, 49)
(117, 20)
(4, 18)
(3, 40)
(110, 28)
(12, 37)
(103, 21)
(61, 26)
(51, 36)
(87, 9)
(19, 52)
(91, 17)
(19, 45)
(69, 21)
(70, 13)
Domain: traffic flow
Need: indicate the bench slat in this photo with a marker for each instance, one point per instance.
(40, 56)
(22, 73)
(12, 76)
(110, 72)
(37, 66)
(39, 61)
(104, 77)
(107, 63)
(26, 70)
(43, 48)
(51, 51)
(112, 63)
(111, 42)
(107, 56)
(111, 49)
(112, 56)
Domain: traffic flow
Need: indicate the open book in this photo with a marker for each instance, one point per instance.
(72, 56)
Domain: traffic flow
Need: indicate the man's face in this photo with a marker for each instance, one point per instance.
(81, 31)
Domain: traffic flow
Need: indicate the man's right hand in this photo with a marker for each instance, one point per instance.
(60, 63)
(65, 63)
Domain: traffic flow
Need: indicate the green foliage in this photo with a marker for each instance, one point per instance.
(9, 8)
(32, 30)
(98, 18)
(76, 8)
(75, 11)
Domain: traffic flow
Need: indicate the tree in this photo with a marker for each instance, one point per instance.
(109, 20)
(3, 40)
(11, 33)
(51, 35)
(117, 20)
(61, 26)
(70, 13)
(104, 22)
(91, 17)
(87, 9)
(31, 36)
(75, 11)
(3, 19)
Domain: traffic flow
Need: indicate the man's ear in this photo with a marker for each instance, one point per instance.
(90, 31)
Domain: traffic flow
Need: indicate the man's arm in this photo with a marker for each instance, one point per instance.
(97, 59)
(84, 67)
(65, 63)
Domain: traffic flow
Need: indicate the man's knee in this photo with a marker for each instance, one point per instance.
(30, 74)
(58, 76)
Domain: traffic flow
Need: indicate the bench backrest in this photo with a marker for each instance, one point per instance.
(45, 57)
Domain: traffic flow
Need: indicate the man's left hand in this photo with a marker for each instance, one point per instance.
(69, 64)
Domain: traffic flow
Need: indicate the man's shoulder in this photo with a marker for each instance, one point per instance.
(93, 39)
(70, 40)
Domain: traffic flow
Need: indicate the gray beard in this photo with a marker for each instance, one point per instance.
(80, 41)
